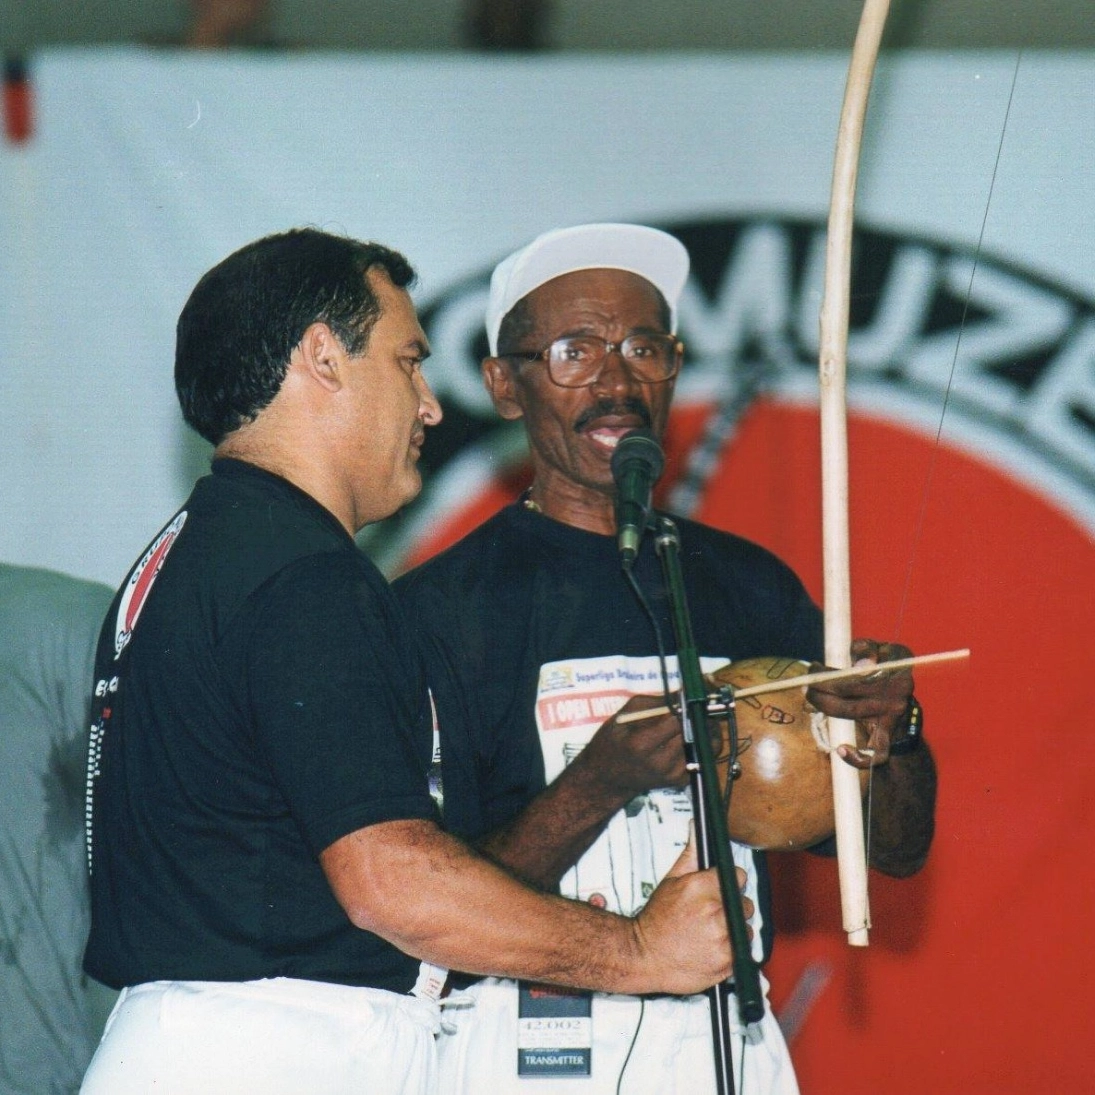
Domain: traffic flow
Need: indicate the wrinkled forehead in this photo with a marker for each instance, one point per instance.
(609, 295)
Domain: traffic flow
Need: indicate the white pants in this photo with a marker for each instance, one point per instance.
(671, 1054)
(273, 1037)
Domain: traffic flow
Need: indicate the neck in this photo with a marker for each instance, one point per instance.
(572, 504)
(308, 475)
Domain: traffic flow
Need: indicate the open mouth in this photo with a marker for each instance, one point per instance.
(605, 423)
(608, 437)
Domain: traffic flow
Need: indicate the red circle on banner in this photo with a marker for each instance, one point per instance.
(972, 982)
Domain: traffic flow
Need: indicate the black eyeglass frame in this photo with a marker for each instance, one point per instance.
(676, 345)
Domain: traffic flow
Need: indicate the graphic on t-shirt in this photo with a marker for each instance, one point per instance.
(437, 786)
(132, 601)
(140, 582)
(642, 841)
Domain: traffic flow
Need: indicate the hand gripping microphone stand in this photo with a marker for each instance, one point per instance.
(712, 828)
(636, 465)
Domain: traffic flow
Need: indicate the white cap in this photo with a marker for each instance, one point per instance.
(656, 256)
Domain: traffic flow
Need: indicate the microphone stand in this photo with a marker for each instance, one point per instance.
(712, 827)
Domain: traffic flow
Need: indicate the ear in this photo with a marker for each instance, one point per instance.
(500, 382)
(322, 356)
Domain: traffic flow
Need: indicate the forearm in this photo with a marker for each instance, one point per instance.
(622, 760)
(902, 819)
(902, 814)
(434, 899)
(551, 834)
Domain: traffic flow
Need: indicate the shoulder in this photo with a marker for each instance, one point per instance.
(50, 624)
(31, 594)
(244, 529)
(245, 509)
(701, 543)
(745, 598)
(729, 570)
(341, 580)
(333, 610)
(479, 595)
(475, 558)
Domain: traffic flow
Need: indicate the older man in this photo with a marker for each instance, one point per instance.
(532, 633)
(267, 868)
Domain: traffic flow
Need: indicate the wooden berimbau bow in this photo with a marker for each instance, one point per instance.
(833, 362)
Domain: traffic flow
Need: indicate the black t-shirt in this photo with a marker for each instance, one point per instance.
(523, 592)
(258, 697)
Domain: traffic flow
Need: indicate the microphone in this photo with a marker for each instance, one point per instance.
(637, 463)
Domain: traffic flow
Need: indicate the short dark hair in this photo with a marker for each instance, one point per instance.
(237, 331)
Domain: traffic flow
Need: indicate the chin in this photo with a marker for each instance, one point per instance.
(398, 493)
(412, 489)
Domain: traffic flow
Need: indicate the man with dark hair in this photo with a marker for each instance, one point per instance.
(235, 336)
(267, 868)
(532, 635)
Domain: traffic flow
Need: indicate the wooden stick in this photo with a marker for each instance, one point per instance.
(806, 679)
(832, 367)
(851, 672)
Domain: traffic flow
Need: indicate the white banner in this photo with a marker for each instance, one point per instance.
(146, 168)
(972, 370)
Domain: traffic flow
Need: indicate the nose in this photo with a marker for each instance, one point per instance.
(615, 375)
(429, 409)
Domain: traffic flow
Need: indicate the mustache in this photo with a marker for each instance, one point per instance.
(605, 408)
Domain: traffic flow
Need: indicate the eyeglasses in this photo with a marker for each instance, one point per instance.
(579, 361)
